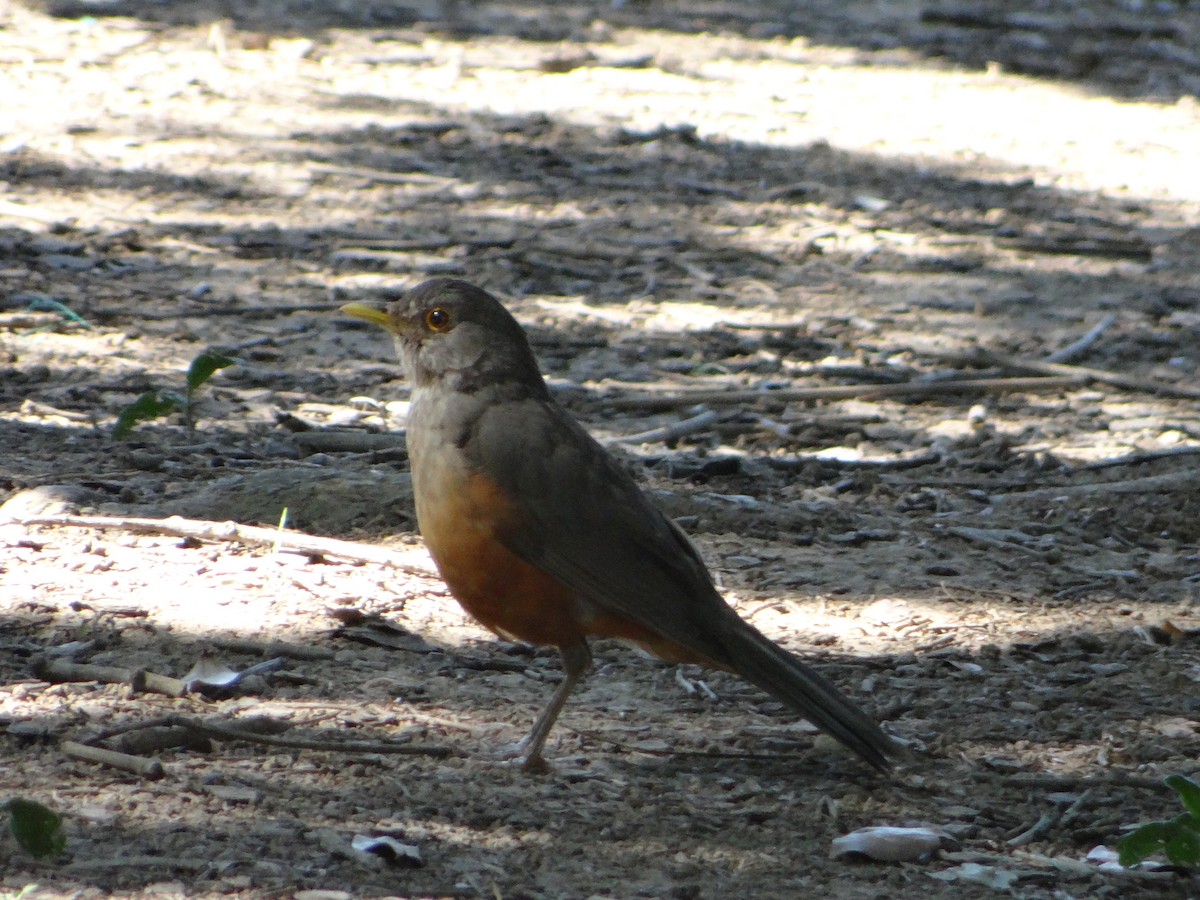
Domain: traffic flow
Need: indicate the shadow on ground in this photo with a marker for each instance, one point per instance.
(262, 816)
(1103, 45)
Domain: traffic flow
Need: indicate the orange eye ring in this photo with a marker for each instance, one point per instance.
(438, 319)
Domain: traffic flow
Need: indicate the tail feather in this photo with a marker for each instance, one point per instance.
(768, 666)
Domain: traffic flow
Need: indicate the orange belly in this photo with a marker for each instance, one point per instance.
(462, 518)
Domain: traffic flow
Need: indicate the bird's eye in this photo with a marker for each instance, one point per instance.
(437, 319)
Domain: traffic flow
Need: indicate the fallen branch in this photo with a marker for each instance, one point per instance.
(351, 442)
(138, 765)
(229, 733)
(1149, 484)
(984, 15)
(253, 535)
(945, 387)
(798, 325)
(204, 312)
(148, 741)
(249, 724)
(15, 321)
(58, 671)
(1134, 459)
(1072, 245)
(1082, 374)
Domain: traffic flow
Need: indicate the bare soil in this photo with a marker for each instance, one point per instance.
(671, 197)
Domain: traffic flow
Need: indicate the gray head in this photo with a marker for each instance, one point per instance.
(449, 330)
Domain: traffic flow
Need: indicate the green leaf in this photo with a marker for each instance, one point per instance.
(38, 829)
(1183, 849)
(1143, 842)
(150, 405)
(1177, 837)
(203, 367)
(1188, 791)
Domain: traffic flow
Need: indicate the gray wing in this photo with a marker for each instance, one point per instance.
(593, 528)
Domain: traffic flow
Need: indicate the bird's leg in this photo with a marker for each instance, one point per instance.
(576, 659)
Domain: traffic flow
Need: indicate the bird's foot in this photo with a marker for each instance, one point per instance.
(518, 754)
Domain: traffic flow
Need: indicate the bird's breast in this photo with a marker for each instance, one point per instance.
(463, 516)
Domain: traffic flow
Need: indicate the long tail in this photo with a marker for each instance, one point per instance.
(763, 663)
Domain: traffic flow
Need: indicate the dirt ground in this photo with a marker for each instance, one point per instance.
(741, 198)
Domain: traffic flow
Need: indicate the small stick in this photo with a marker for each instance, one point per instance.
(1077, 348)
(1081, 246)
(427, 245)
(989, 537)
(1076, 808)
(20, 320)
(1151, 483)
(850, 391)
(1134, 459)
(673, 432)
(204, 312)
(138, 765)
(798, 325)
(1082, 374)
(61, 670)
(260, 735)
(118, 730)
(382, 176)
(1049, 820)
(1050, 782)
(249, 725)
(1038, 829)
(253, 535)
(151, 683)
(133, 862)
(348, 441)
(146, 741)
(982, 16)
(273, 340)
(226, 733)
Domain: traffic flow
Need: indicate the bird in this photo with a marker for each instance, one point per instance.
(545, 538)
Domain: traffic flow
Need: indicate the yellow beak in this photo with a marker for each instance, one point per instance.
(370, 314)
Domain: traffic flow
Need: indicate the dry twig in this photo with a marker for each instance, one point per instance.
(141, 681)
(946, 387)
(1152, 483)
(1134, 459)
(253, 535)
(350, 442)
(672, 432)
(138, 765)
(1079, 347)
(1081, 374)
(258, 735)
